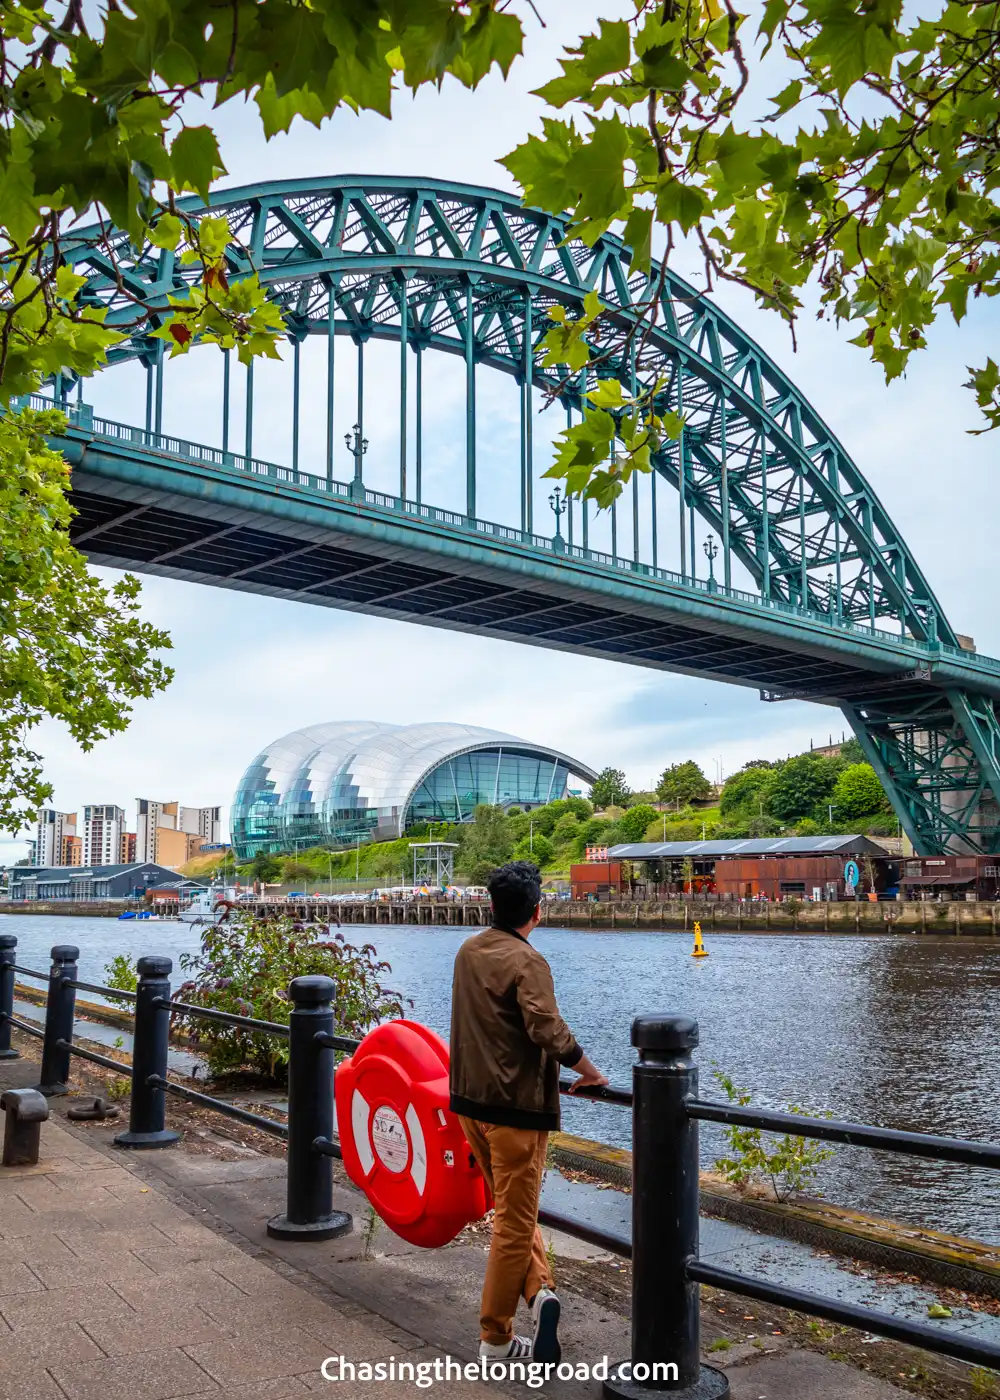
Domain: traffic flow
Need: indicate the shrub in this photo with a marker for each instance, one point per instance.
(789, 1163)
(121, 974)
(566, 827)
(245, 966)
(632, 825)
(540, 849)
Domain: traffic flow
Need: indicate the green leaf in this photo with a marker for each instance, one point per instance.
(196, 159)
(938, 1310)
(68, 283)
(786, 99)
(599, 55)
(685, 203)
(166, 232)
(638, 234)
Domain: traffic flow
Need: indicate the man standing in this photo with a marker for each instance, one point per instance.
(507, 1043)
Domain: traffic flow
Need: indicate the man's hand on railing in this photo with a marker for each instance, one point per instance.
(590, 1076)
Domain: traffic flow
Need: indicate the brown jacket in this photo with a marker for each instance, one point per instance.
(507, 1036)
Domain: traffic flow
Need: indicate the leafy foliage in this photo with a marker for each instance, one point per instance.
(121, 973)
(70, 647)
(537, 848)
(633, 824)
(610, 789)
(858, 792)
(874, 176)
(798, 786)
(487, 841)
(245, 966)
(681, 782)
(791, 1164)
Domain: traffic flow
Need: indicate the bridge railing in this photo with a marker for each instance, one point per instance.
(664, 1240)
(83, 417)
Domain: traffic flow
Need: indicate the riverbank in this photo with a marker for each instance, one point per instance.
(961, 917)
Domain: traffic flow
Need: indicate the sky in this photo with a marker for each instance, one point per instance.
(251, 668)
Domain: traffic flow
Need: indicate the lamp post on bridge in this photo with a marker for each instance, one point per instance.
(559, 508)
(711, 554)
(357, 449)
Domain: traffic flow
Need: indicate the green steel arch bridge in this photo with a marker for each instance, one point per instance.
(815, 595)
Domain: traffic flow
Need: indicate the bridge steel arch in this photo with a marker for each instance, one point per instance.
(470, 271)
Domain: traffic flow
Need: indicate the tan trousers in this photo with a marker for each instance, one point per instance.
(512, 1161)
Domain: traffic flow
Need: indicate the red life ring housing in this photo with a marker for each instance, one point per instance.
(401, 1143)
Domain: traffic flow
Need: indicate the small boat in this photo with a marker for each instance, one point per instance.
(207, 907)
(137, 914)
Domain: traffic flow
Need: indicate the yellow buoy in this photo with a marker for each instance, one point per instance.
(700, 951)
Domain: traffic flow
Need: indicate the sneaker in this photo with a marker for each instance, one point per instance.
(545, 1327)
(517, 1349)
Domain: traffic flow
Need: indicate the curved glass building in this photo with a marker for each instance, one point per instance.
(333, 784)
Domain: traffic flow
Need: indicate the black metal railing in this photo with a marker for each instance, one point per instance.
(665, 1108)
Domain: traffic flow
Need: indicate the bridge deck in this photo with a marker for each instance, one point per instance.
(201, 515)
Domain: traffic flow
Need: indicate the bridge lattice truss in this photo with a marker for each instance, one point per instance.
(474, 273)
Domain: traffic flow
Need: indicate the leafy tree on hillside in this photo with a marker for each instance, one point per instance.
(537, 848)
(568, 826)
(851, 751)
(858, 793)
(486, 842)
(799, 786)
(746, 791)
(610, 789)
(682, 782)
(633, 824)
(266, 867)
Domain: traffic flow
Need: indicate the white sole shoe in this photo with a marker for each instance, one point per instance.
(545, 1339)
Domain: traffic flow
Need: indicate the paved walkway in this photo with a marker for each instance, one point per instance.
(109, 1291)
(150, 1276)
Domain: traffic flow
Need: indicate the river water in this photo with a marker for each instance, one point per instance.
(896, 1031)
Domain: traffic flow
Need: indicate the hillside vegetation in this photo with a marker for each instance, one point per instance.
(807, 795)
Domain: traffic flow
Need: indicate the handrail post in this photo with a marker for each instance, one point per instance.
(665, 1189)
(60, 1006)
(8, 957)
(148, 1107)
(309, 1213)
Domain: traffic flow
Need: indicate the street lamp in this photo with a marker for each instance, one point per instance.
(559, 508)
(711, 554)
(357, 449)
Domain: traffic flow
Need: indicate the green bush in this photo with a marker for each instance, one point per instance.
(121, 974)
(540, 849)
(566, 827)
(633, 823)
(245, 966)
(789, 1163)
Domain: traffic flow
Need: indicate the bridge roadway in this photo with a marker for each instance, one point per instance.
(161, 505)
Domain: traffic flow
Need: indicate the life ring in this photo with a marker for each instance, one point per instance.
(401, 1143)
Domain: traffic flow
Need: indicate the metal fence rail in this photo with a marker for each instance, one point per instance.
(665, 1108)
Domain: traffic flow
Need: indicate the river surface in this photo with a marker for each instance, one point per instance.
(896, 1031)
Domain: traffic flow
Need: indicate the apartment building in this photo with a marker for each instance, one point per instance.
(72, 850)
(103, 828)
(51, 832)
(169, 834)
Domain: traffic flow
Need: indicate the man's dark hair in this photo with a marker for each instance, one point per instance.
(515, 890)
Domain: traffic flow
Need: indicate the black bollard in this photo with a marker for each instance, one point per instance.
(8, 957)
(665, 1303)
(59, 1010)
(147, 1112)
(309, 1213)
